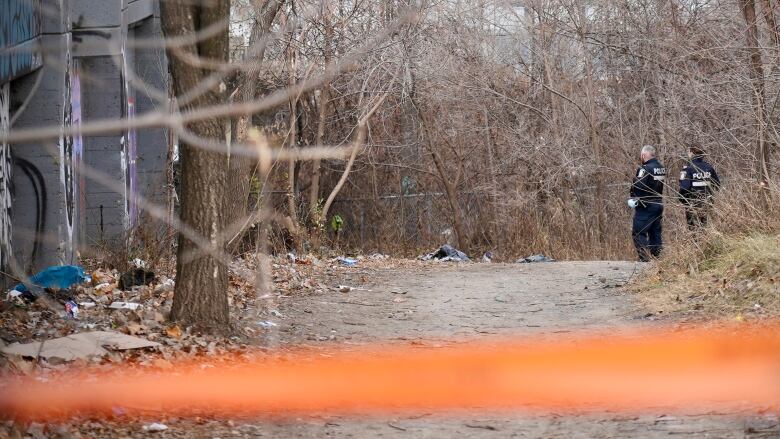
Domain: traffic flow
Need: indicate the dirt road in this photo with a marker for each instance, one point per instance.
(444, 303)
(435, 306)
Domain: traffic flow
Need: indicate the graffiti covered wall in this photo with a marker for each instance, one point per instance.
(55, 215)
(5, 180)
(131, 174)
(20, 22)
(70, 148)
(71, 152)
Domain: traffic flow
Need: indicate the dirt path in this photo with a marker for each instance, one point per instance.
(441, 304)
(467, 301)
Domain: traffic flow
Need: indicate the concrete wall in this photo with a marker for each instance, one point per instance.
(53, 208)
(105, 211)
(38, 195)
(152, 68)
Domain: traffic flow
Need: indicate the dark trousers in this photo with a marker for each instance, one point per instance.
(647, 231)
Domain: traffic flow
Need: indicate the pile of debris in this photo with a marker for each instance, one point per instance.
(446, 253)
(65, 314)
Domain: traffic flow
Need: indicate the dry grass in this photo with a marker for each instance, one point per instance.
(723, 277)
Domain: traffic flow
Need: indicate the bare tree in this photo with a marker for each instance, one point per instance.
(758, 88)
(201, 283)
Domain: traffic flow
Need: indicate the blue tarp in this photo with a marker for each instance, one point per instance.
(59, 276)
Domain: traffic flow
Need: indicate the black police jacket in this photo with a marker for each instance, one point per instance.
(698, 180)
(649, 181)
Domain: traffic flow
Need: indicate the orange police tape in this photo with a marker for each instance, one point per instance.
(665, 368)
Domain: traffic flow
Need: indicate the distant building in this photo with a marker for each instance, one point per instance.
(72, 63)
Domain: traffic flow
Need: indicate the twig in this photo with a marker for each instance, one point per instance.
(390, 424)
(484, 427)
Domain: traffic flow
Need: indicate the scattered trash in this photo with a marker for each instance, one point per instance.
(13, 294)
(487, 257)
(72, 309)
(82, 345)
(446, 253)
(276, 313)
(345, 288)
(534, 259)
(349, 262)
(58, 276)
(144, 312)
(125, 305)
(165, 286)
(136, 277)
(291, 257)
(139, 263)
(378, 257)
(155, 427)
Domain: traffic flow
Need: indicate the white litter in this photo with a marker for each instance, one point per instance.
(125, 305)
(155, 427)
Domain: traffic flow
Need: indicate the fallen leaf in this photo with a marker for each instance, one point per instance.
(135, 329)
(19, 363)
(173, 332)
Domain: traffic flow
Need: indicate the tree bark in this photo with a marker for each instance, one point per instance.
(769, 16)
(324, 112)
(759, 93)
(201, 283)
(292, 134)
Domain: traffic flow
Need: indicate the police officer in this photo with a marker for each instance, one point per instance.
(646, 198)
(698, 183)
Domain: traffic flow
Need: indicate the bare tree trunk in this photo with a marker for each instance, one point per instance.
(769, 15)
(759, 93)
(595, 140)
(494, 228)
(241, 165)
(201, 283)
(292, 141)
(324, 112)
